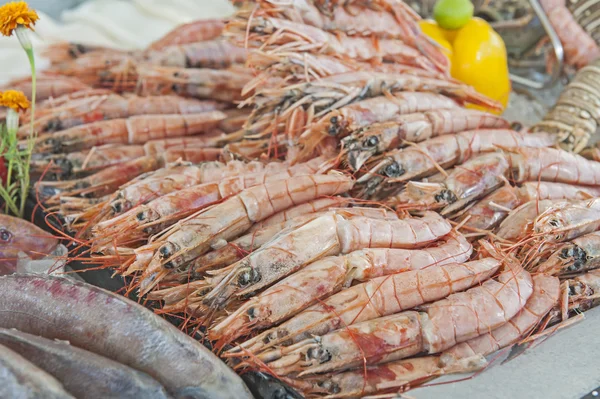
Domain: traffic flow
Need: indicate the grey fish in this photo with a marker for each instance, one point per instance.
(82, 373)
(20, 379)
(115, 327)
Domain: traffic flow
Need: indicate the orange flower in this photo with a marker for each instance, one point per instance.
(14, 99)
(14, 14)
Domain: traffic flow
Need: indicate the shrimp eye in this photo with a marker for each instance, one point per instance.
(320, 354)
(248, 276)
(252, 313)
(330, 386)
(333, 119)
(117, 207)
(393, 170)
(371, 141)
(140, 216)
(167, 250)
(554, 223)
(5, 235)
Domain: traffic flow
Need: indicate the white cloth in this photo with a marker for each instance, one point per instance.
(122, 24)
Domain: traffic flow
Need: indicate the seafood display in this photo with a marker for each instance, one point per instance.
(182, 366)
(315, 196)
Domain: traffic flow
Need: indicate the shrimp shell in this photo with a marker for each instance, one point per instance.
(326, 277)
(408, 333)
(134, 130)
(337, 234)
(461, 358)
(565, 221)
(215, 54)
(194, 236)
(581, 254)
(197, 31)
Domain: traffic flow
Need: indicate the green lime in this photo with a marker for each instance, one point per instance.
(452, 14)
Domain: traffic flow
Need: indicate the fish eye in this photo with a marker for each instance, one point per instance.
(5, 235)
(371, 141)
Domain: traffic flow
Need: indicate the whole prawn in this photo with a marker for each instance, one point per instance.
(461, 358)
(436, 328)
(195, 235)
(105, 107)
(377, 138)
(578, 255)
(491, 210)
(197, 31)
(424, 159)
(133, 130)
(326, 277)
(566, 221)
(338, 234)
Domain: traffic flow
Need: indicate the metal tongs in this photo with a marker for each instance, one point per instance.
(556, 46)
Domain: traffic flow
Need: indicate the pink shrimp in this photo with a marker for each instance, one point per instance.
(197, 31)
(464, 357)
(328, 276)
(134, 130)
(400, 335)
(145, 79)
(424, 159)
(566, 221)
(194, 236)
(491, 210)
(576, 256)
(519, 222)
(215, 54)
(338, 234)
(379, 137)
(580, 47)
(152, 205)
(49, 85)
(78, 164)
(104, 107)
(100, 183)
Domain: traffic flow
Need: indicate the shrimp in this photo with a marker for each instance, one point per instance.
(104, 107)
(90, 67)
(550, 164)
(20, 236)
(78, 164)
(215, 54)
(393, 23)
(192, 155)
(313, 206)
(461, 358)
(580, 47)
(471, 181)
(440, 326)
(338, 234)
(424, 159)
(566, 221)
(195, 235)
(491, 210)
(578, 255)
(48, 85)
(519, 222)
(133, 130)
(342, 89)
(326, 277)
(197, 31)
(148, 209)
(375, 139)
(98, 184)
(221, 85)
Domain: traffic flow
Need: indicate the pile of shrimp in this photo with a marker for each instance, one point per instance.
(337, 211)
